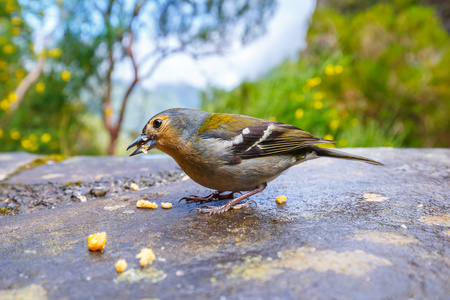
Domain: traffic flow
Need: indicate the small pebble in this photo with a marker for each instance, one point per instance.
(98, 191)
(134, 187)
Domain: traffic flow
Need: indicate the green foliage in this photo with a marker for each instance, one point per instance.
(15, 43)
(52, 122)
(50, 117)
(379, 77)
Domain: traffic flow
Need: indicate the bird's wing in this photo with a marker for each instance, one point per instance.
(250, 137)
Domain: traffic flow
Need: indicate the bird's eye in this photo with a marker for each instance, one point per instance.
(157, 123)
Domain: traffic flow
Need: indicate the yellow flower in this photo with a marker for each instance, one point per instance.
(328, 137)
(65, 75)
(1, 133)
(20, 74)
(299, 113)
(318, 96)
(16, 31)
(328, 145)
(4, 104)
(108, 112)
(3, 64)
(33, 138)
(56, 52)
(16, 21)
(14, 134)
(318, 104)
(329, 70)
(10, 8)
(26, 143)
(12, 96)
(34, 147)
(354, 122)
(334, 124)
(338, 69)
(45, 138)
(343, 143)
(8, 49)
(313, 82)
(40, 87)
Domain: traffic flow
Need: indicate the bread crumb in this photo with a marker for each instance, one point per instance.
(146, 256)
(281, 199)
(121, 265)
(134, 187)
(166, 205)
(96, 241)
(146, 204)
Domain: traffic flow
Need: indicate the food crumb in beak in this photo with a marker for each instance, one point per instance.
(144, 149)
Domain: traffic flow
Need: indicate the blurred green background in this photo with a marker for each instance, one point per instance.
(373, 73)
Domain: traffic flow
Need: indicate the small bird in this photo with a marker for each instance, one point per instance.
(230, 153)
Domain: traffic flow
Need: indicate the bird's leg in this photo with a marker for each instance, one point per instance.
(216, 195)
(232, 203)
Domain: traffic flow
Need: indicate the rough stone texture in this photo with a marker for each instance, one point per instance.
(92, 168)
(356, 231)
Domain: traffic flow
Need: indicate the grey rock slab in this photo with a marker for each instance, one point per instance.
(9, 162)
(92, 168)
(347, 231)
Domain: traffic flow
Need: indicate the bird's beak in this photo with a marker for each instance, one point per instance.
(144, 144)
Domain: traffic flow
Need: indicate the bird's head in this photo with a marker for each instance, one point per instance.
(167, 130)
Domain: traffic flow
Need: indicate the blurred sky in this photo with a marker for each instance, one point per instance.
(284, 38)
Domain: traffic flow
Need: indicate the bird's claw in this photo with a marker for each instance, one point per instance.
(244, 205)
(212, 210)
(213, 196)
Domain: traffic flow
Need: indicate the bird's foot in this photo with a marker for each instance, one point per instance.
(244, 205)
(217, 195)
(213, 210)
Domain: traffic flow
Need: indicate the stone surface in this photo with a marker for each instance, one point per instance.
(9, 162)
(92, 168)
(347, 231)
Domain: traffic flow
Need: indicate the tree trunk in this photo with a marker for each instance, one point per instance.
(112, 142)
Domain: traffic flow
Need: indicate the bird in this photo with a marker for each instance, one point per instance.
(229, 152)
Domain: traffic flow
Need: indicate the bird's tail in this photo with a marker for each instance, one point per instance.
(322, 152)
